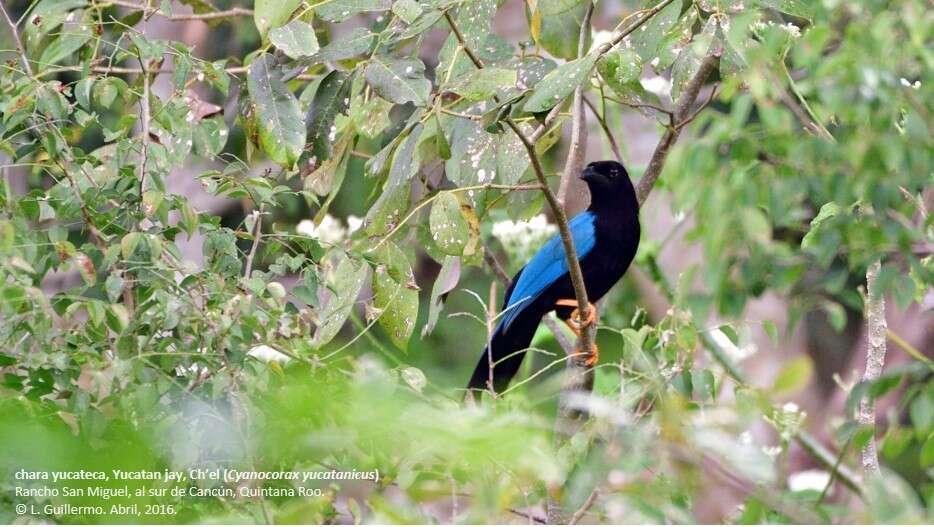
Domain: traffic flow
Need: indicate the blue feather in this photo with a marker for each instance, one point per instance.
(548, 265)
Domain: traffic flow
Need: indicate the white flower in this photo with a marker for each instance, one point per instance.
(734, 352)
(792, 30)
(658, 85)
(330, 231)
(772, 451)
(815, 480)
(267, 354)
(523, 237)
(790, 408)
(306, 228)
(600, 38)
(908, 84)
(353, 224)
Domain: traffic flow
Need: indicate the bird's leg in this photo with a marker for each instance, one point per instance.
(575, 324)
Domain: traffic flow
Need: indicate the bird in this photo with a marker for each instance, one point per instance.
(606, 237)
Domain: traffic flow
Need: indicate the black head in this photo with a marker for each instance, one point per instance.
(609, 185)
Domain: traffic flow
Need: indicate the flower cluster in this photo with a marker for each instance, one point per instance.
(330, 231)
(521, 239)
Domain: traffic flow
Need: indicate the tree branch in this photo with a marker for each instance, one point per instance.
(16, 40)
(214, 15)
(875, 361)
(574, 161)
(574, 269)
(257, 235)
(617, 37)
(680, 117)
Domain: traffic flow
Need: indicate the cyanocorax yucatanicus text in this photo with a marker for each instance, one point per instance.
(605, 236)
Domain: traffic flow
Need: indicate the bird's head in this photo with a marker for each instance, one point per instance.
(609, 183)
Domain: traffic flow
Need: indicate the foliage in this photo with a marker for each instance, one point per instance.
(811, 163)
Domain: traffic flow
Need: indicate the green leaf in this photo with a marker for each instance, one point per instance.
(484, 84)
(927, 452)
(129, 243)
(827, 211)
(474, 18)
(210, 136)
(559, 83)
(446, 281)
(398, 80)
(356, 42)
(648, 38)
(796, 8)
(620, 67)
(331, 99)
(395, 294)
(268, 14)
(555, 25)
(922, 413)
(340, 10)
(344, 280)
(296, 39)
(794, 375)
(449, 228)
(407, 10)
(72, 38)
(278, 116)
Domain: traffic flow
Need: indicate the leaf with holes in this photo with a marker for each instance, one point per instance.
(449, 228)
(296, 39)
(278, 116)
(268, 14)
(398, 80)
(343, 282)
(340, 10)
(484, 84)
(559, 83)
(395, 294)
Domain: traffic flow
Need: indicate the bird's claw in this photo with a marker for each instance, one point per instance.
(575, 322)
(591, 359)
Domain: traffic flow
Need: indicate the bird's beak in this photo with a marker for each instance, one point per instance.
(587, 174)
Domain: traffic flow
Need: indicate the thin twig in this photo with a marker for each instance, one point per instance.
(145, 120)
(682, 113)
(614, 146)
(16, 40)
(579, 513)
(875, 361)
(213, 15)
(257, 235)
(602, 50)
(574, 161)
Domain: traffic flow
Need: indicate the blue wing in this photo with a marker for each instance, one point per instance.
(547, 266)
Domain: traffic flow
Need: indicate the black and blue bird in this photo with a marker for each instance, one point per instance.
(605, 236)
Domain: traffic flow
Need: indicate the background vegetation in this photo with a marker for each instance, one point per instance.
(271, 236)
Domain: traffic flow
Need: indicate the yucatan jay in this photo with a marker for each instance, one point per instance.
(605, 236)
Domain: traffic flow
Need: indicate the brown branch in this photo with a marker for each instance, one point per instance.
(214, 15)
(257, 235)
(617, 37)
(574, 161)
(875, 361)
(145, 120)
(574, 269)
(16, 40)
(681, 114)
(579, 513)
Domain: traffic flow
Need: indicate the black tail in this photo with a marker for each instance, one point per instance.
(505, 344)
